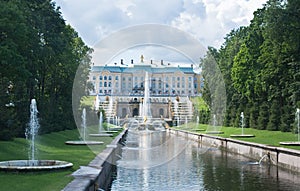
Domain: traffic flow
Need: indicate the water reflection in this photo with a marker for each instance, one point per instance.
(174, 165)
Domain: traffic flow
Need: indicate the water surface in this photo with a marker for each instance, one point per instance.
(177, 164)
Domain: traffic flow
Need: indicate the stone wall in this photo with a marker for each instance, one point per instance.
(98, 174)
(282, 157)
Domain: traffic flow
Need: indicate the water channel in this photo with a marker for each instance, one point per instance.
(163, 161)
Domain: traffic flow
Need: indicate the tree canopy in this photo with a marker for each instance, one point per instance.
(39, 56)
(260, 64)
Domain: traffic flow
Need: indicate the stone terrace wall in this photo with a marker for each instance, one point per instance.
(283, 157)
(98, 174)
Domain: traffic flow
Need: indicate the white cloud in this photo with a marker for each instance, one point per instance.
(207, 20)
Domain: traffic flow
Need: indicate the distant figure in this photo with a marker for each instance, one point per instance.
(142, 58)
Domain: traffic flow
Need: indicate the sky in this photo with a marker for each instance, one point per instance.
(206, 21)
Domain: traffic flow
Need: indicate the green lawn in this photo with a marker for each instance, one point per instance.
(88, 101)
(271, 138)
(50, 146)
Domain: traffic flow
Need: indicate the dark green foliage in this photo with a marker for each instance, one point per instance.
(39, 56)
(274, 118)
(260, 64)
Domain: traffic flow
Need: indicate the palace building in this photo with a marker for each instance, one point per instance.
(125, 84)
(129, 79)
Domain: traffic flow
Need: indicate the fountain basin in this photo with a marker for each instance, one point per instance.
(242, 136)
(101, 135)
(84, 142)
(291, 143)
(198, 129)
(214, 132)
(34, 165)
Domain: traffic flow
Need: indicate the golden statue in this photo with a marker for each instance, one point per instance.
(142, 58)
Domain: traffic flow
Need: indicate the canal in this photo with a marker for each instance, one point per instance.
(162, 161)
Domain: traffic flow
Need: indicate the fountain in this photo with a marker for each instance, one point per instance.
(266, 156)
(197, 124)
(32, 130)
(214, 127)
(176, 114)
(145, 122)
(297, 120)
(83, 127)
(101, 133)
(146, 112)
(32, 164)
(186, 122)
(242, 125)
(97, 102)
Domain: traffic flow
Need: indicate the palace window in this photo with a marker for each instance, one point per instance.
(161, 111)
(105, 84)
(109, 84)
(105, 77)
(100, 84)
(117, 78)
(94, 77)
(100, 77)
(109, 77)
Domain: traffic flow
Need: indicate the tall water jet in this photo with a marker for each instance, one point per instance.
(97, 102)
(190, 107)
(298, 122)
(101, 132)
(83, 133)
(146, 102)
(32, 164)
(186, 122)
(214, 127)
(32, 129)
(197, 124)
(110, 109)
(242, 122)
(100, 122)
(176, 114)
(83, 124)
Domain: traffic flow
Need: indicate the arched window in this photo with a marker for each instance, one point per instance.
(105, 77)
(100, 77)
(109, 77)
(105, 84)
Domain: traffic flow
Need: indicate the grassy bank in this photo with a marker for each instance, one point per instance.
(49, 146)
(271, 138)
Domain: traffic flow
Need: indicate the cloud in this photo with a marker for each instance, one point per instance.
(206, 20)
